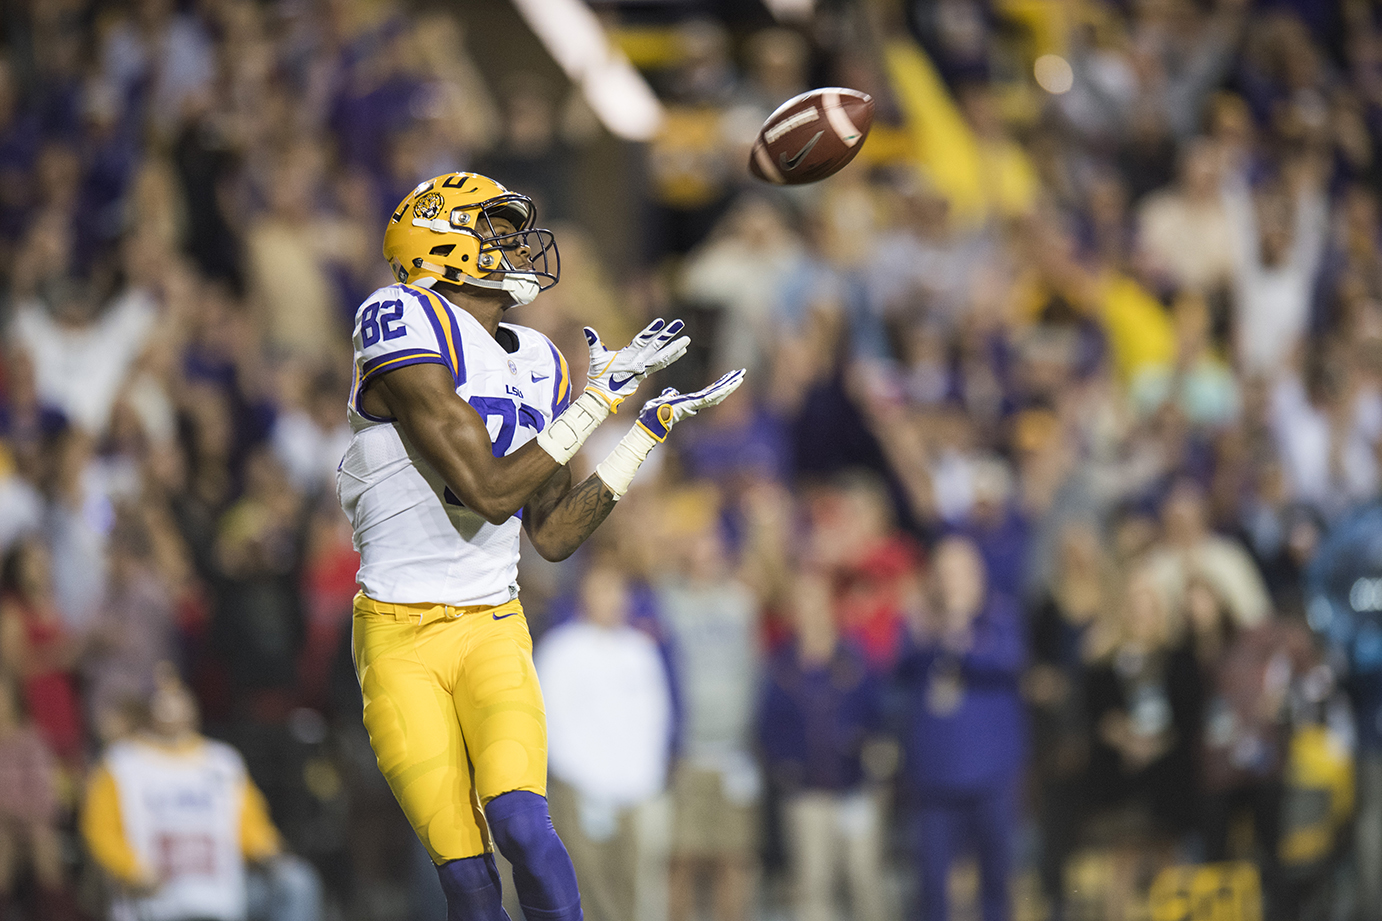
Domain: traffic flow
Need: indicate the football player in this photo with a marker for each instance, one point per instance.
(463, 427)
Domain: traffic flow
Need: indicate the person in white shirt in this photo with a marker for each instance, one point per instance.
(1275, 258)
(609, 726)
(1184, 234)
(309, 436)
(1191, 550)
(174, 821)
(82, 354)
(1326, 422)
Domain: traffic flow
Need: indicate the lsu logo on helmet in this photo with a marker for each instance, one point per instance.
(446, 230)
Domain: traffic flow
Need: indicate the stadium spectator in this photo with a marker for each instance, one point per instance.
(21, 503)
(79, 514)
(1348, 625)
(132, 632)
(1277, 243)
(609, 724)
(965, 740)
(739, 272)
(820, 708)
(258, 622)
(1326, 420)
(30, 811)
(712, 620)
(1144, 705)
(997, 527)
(1184, 233)
(290, 253)
(689, 161)
(173, 818)
(1082, 592)
(1199, 384)
(82, 350)
(155, 49)
(1251, 676)
(870, 563)
(1190, 549)
(309, 436)
(924, 266)
(40, 650)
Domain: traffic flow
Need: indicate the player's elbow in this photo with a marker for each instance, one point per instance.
(494, 508)
(495, 512)
(552, 551)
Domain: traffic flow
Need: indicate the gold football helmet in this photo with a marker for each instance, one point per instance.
(444, 231)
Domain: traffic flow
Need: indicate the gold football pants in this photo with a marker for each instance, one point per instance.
(454, 713)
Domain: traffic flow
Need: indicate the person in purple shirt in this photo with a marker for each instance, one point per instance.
(820, 707)
(965, 741)
(997, 526)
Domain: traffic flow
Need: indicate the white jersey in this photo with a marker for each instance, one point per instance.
(181, 812)
(418, 543)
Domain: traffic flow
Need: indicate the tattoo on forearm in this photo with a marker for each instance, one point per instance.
(589, 504)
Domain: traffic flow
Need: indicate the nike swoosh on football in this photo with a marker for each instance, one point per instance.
(793, 162)
(510, 614)
(617, 384)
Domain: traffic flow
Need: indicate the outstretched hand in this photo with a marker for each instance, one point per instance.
(614, 376)
(654, 421)
(667, 409)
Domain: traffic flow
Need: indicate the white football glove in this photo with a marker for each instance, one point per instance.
(614, 376)
(654, 421)
(671, 406)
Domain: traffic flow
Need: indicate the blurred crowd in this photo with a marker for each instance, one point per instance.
(1039, 555)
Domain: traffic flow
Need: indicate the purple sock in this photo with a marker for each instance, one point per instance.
(542, 871)
(472, 889)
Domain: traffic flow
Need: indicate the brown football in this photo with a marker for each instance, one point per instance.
(811, 136)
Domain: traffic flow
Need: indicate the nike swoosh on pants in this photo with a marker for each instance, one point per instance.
(502, 616)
